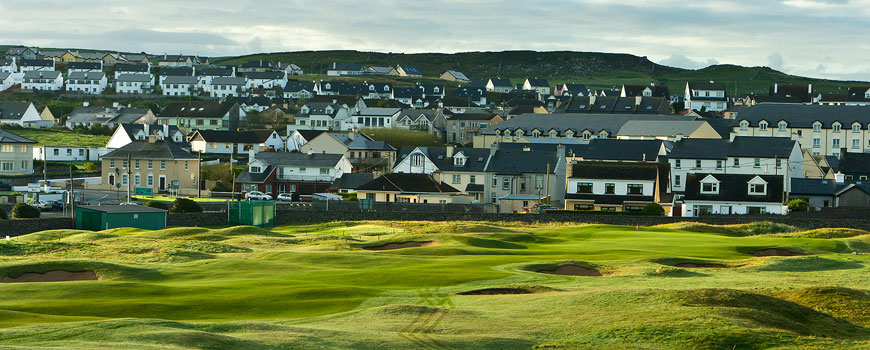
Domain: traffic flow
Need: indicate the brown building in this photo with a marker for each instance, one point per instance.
(157, 164)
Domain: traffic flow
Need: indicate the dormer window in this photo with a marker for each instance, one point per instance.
(255, 169)
(836, 127)
(459, 160)
(436, 89)
(328, 86)
(758, 188)
(782, 126)
(386, 88)
(553, 134)
(569, 134)
(744, 125)
(417, 159)
(856, 128)
(371, 88)
(762, 126)
(587, 135)
(817, 127)
(710, 185)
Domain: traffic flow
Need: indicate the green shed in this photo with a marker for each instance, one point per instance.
(254, 213)
(103, 217)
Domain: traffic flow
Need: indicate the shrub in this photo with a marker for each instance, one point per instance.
(798, 204)
(349, 196)
(220, 187)
(653, 209)
(184, 205)
(157, 204)
(90, 166)
(22, 210)
(3, 215)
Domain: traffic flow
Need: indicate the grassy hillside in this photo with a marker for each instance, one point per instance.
(597, 70)
(466, 286)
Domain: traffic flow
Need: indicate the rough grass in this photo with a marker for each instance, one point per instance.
(312, 286)
(738, 230)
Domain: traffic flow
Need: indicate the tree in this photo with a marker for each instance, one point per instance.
(220, 187)
(184, 205)
(257, 120)
(798, 204)
(22, 210)
(3, 215)
(90, 166)
(157, 204)
(653, 209)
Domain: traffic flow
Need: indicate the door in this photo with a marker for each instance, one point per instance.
(162, 183)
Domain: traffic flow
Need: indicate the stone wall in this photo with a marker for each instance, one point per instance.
(197, 219)
(17, 227)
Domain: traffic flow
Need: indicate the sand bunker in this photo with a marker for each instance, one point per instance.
(572, 270)
(776, 252)
(402, 245)
(53, 276)
(698, 265)
(496, 291)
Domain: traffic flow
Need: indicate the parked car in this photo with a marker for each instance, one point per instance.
(285, 197)
(257, 195)
(543, 207)
(5, 186)
(45, 205)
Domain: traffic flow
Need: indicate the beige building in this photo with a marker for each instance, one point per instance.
(822, 130)
(16, 154)
(154, 164)
(365, 154)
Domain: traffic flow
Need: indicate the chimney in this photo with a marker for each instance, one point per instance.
(492, 149)
(449, 151)
(152, 138)
(147, 129)
(637, 100)
(251, 155)
(310, 152)
(775, 88)
(560, 151)
(840, 177)
(350, 135)
(166, 130)
(810, 89)
(592, 99)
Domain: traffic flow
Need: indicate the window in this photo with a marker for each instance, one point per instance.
(856, 128)
(69, 152)
(136, 163)
(584, 187)
(719, 164)
(835, 143)
(697, 164)
(856, 144)
(522, 184)
(457, 179)
(56, 151)
(539, 181)
(506, 184)
(111, 162)
(709, 187)
(779, 163)
(583, 207)
(81, 152)
(757, 163)
(758, 189)
(150, 181)
(185, 165)
(123, 179)
(744, 125)
(494, 181)
(609, 188)
(324, 171)
(782, 126)
(817, 142)
(677, 164)
(636, 189)
(677, 181)
(817, 127)
(836, 127)
(471, 179)
(150, 164)
(417, 159)
(137, 180)
(302, 170)
(255, 169)
(162, 165)
(6, 166)
(762, 126)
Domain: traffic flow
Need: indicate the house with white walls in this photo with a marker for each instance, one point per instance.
(131, 69)
(708, 96)
(87, 82)
(39, 80)
(84, 67)
(8, 65)
(134, 84)
(6, 81)
(266, 80)
(224, 87)
(179, 85)
(733, 194)
(23, 114)
(36, 65)
(126, 133)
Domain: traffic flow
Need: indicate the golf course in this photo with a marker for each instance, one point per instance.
(438, 285)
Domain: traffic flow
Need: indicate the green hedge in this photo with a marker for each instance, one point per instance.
(22, 211)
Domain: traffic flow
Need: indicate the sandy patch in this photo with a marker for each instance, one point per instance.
(776, 252)
(572, 270)
(496, 291)
(412, 244)
(53, 276)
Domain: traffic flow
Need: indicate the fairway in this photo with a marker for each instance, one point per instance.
(459, 285)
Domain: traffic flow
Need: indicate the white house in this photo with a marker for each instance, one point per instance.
(42, 80)
(224, 142)
(298, 173)
(140, 83)
(22, 114)
(709, 96)
(615, 186)
(338, 69)
(127, 132)
(206, 75)
(729, 194)
(300, 89)
(321, 116)
(228, 87)
(36, 65)
(298, 137)
(84, 67)
(6, 81)
(270, 140)
(179, 85)
(16, 154)
(541, 86)
(132, 69)
(372, 117)
(267, 79)
(90, 82)
(68, 154)
(499, 85)
(8, 65)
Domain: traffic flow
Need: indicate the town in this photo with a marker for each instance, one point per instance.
(499, 144)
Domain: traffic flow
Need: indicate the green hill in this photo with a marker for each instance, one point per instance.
(596, 70)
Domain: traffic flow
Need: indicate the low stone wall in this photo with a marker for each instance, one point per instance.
(197, 219)
(17, 227)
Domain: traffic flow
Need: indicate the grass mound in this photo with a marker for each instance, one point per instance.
(672, 271)
(174, 232)
(570, 268)
(487, 243)
(808, 264)
(408, 309)
(49, 235)
(15, 248)
(400, 245)
(849, 304)
(210, 247)
(739, 230)
(243, 230)
(88, 237)
(829, 233)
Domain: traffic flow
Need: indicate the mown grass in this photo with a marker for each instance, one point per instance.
(313, 286)
(62, 137)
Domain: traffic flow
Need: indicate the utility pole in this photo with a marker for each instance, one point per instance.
(233, 175)
(548, 184)
(199, 176)
(72, 196)
(129, 180)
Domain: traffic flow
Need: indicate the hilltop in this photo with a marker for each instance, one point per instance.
(595, 69)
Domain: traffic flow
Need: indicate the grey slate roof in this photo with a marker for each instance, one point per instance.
(85, 65)
(13, 110)
(353, 180)
(660, 128)
(855, 163)
(576, 122)
(147, 150)
(8, 137)
(518, 159)
(362, 142)
(36, 63)
(225, 136)
(90, 114)
(706, 85)
(125, 67)
(216, 72)
(193, 109)
(407, 183)
(179, 79)
(613, 149)
(803, 116)
(296, 86)
(315, 160)
(411, 70)
(268, 75)
(741, 146)
(700, 149)
(538, 83)
(139, 77)
(734, 188)
(228, 81)
(179, 71)
(4, 75)
(86, 76)
(475, 158)
(32, 74)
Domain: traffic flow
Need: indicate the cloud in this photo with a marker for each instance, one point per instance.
(681, 61)
(775, 61)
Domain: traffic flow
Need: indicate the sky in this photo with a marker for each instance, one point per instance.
(816, 38)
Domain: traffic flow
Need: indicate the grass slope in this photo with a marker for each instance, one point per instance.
(314, 286)
(597, 70)
(62, 137)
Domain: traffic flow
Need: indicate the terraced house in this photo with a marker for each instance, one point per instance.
(16, 154)
(155, 164)
(202, 115)
(42, 81)
(821, 130)
(87, 82)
